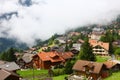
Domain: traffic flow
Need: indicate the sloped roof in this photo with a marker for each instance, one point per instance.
(110, 64)
(10, 66)
(27, 57)
(4, 74)
(58, 49)
(94, 43)
(80, 64)
(2, 62)
(52, 56)
(67, 55)
(61, 39)
(116, 61)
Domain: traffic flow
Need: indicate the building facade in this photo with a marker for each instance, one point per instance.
(99, 47)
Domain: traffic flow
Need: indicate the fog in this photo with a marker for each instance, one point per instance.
(43, 18)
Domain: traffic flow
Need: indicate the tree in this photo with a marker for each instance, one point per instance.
(51, 40)
(75, 38)
(117, 51)
(86, 52)
(68, 67)
(66, 48)
(9, 55)
(3, 56)
(110, 37)
(111, 48)
(70, 45)
(56, 41)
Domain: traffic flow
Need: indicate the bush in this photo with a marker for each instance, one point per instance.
(58, 72)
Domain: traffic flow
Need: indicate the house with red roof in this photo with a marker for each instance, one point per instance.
(45, 60)
(99, 47)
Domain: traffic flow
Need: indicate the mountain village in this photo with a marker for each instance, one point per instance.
(61, 56)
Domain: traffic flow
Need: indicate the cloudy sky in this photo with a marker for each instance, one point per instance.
(43, 18)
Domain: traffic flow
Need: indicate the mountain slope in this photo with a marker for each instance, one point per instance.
(6, 43)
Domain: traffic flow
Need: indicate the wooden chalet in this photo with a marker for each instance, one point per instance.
(113, 65)
(8, 75)
(99, 47)
(45, 60)
(26, 60)
(90, 69)
(10, 66)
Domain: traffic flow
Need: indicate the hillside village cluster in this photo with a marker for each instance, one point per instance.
(56, 55)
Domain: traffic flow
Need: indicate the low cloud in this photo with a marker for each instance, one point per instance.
(43, 18)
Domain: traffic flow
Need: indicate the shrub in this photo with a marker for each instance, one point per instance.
(58, 72)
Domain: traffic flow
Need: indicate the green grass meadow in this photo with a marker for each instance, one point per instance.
(31, 74)
(114, 76)
(37, 74)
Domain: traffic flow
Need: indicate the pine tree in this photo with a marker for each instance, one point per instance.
(68, 67)
(70, 45)
(11, 55)
(111, 48)
(86, 52)
(66, 48)
(110, 37)
(3, 56)
(8, 55)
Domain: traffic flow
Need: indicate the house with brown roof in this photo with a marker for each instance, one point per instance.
(8, 75)
(113, 65)
(90, 69)
(26, 60)
(10, 66)
(99, 47)
(47, 59)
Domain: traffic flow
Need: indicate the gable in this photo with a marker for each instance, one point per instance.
(94, 43)
(80, 66)
(10, 66)
(50, 56)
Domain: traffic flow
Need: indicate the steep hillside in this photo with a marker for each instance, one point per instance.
(6, 43)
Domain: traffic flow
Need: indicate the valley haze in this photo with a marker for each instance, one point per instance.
(27, 20)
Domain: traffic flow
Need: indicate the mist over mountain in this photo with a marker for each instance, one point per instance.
(25, 2)
(8, 16)
(28, 20)
(8, 43)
